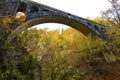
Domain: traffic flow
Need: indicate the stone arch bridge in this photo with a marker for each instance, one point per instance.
(37, 13)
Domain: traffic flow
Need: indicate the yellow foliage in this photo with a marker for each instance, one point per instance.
(7, 19)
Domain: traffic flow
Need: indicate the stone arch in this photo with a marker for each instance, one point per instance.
(34, 9)
(51, 19)
(21, 7)
(21, 10)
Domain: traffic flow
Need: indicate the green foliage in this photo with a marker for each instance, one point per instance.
(28, 63)
(51, 55)
(113, 35)
(60, 55)
(18, 69)
(15, 62)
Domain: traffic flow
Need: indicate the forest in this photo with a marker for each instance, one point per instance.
(43, 54)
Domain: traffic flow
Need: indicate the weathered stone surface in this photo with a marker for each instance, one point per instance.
(37, 13)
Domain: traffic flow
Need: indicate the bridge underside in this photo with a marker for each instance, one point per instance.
(51, 19)
(38, 13)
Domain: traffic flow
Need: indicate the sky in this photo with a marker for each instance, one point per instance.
(81, 8)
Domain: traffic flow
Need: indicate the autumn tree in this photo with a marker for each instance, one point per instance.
(111, 18)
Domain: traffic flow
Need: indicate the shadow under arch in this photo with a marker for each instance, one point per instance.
(51, 19)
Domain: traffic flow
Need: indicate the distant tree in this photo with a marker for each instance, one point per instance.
(113, 13)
